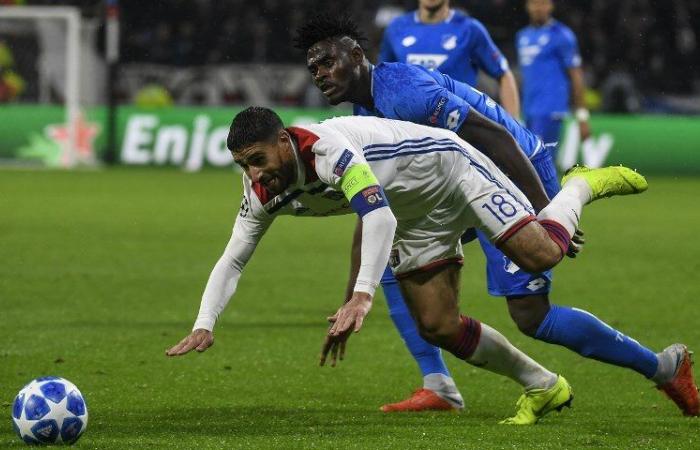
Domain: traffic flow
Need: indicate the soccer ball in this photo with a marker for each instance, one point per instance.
(49, 410)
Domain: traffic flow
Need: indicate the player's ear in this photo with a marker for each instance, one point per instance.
(283, 137)
(357, 55)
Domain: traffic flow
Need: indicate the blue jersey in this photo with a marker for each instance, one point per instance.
(428, 97)
(458, 47)
(546, 53)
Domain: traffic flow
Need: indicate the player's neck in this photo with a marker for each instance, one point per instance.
(541, 23)
(362, 94)
(438, 15)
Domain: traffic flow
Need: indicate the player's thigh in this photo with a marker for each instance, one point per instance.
(433, 297)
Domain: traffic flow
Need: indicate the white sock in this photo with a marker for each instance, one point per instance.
(438, 381)
(669, 360)
(495, 354)
(445, 387)
(565, 208)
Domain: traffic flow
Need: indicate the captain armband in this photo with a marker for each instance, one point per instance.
(362, 188)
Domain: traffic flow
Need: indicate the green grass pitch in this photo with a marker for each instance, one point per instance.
(101, 271)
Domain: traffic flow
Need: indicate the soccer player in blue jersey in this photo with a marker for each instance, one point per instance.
(552, 78)
(339, 68)
(438, 37)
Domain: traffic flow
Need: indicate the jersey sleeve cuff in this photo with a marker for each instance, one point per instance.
(365, 286)
(205, 323)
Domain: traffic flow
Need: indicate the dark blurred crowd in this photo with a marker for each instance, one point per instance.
(653, 43)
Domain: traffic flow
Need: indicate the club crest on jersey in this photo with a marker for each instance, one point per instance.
(372, 195)
(342, 163)
(438, 109)
(449, 41)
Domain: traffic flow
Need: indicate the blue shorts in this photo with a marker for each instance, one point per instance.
(548, 128)
(503, 276)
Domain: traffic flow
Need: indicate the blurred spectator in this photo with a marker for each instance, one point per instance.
(653, 44)
(153, 96)
(11, 84)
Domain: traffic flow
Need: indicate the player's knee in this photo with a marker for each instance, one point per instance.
(437, 331)
(526, 324)
(528, 313)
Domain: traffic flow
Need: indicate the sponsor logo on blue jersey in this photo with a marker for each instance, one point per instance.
(427, 60)
(438, 109)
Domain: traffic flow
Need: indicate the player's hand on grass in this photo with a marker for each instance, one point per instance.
(576, 244)
(335, 345)
(351, 315)
(199, 340)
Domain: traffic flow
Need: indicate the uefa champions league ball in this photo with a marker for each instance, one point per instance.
(49, 410)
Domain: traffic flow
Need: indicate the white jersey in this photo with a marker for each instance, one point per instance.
(437, 185)
(417, 166)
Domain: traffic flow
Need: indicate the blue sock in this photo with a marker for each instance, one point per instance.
(589, 336)
(427, 356)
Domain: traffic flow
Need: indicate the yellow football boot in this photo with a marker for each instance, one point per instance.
(608, 181)
(535, 403)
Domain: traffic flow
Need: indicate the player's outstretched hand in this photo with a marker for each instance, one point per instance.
(199, 340)
(351, 315)
(335, 345)
(576, 244)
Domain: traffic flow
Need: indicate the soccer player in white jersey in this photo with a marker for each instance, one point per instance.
(416, 189)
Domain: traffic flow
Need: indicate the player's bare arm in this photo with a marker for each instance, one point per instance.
(496, 143)
(509, 95)
(578, 89)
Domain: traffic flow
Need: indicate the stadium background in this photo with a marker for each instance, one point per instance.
(102, 269)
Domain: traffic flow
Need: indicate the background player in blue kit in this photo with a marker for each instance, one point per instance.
(550, 66)
(341, 71)
(438, 37)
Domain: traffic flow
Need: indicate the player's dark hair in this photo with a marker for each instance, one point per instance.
(254, 124)
(327, 26)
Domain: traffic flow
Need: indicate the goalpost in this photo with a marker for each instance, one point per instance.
(72, 19)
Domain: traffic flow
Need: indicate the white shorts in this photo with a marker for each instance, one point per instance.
(484, 198)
